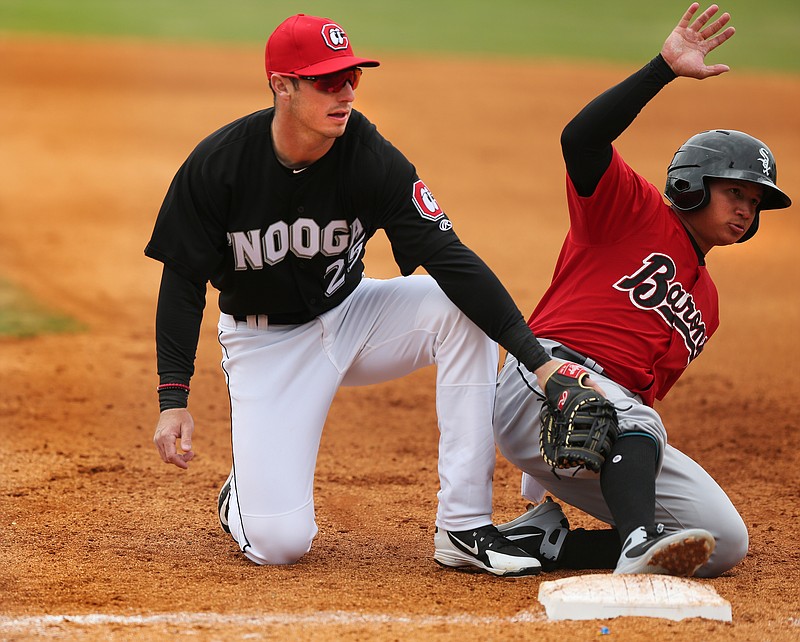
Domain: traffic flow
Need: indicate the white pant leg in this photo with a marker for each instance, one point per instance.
(686, 495)
(281, 385)
(396, 326)
(282, 381)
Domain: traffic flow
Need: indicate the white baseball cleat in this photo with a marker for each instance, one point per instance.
(680, 553)
(485, 549)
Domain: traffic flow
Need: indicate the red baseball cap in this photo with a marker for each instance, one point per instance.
(310, 46)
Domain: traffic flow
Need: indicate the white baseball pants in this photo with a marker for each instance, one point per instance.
(282, 380)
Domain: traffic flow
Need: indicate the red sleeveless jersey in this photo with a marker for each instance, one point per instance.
(629, 289)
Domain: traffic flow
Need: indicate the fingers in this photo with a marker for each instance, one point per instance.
(687, 17)
(170, 455)
(173, 426)
(186, 441)
(716, 42)
(181, 460)
(705, 32)
(714, 70)
(165, 443)
(715, 26)
(588, 382)
(704, 17)
(686, 47)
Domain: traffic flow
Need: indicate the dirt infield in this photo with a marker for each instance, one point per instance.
(96, 528)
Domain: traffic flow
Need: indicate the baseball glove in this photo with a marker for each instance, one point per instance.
(579, 426)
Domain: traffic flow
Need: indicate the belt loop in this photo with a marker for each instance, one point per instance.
(255, 321)
(593, 365)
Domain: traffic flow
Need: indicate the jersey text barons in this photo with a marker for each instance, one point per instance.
(653, 287)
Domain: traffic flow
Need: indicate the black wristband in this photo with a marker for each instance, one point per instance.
(173, 398)
(172, 394)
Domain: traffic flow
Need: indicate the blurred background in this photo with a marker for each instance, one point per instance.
(204, 67)
(609, 30)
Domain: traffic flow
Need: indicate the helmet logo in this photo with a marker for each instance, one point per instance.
(334, 36)
(765, 160)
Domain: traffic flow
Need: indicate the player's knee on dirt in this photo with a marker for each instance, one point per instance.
(732, 542)
(280, 539)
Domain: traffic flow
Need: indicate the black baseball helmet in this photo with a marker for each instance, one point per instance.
(722, 153)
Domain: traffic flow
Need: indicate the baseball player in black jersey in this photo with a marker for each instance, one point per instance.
(274, 210)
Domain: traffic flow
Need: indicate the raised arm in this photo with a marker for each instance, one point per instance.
(686, 48)
(587, 138)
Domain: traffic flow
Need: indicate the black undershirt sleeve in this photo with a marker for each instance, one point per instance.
(586, 140)
(178, 317)
(473, 287)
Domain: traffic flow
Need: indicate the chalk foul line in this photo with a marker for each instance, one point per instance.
(339, 618)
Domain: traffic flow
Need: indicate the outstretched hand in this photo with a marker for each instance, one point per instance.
(687, 46)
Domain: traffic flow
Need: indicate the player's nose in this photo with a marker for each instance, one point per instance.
(747, 210)
(347, 93)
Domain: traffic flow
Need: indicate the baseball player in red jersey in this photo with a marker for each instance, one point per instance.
(638, 264)
(274, 210)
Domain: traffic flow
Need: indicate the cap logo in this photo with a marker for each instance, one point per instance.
(765, 160)
(335, 37)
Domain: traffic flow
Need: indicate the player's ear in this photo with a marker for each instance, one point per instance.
(279, 84)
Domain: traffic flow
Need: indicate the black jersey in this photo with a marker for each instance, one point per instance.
(291, 243)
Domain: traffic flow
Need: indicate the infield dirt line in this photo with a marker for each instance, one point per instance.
(28, 622)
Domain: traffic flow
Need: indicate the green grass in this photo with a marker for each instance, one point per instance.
(21, 316)
(768, 35)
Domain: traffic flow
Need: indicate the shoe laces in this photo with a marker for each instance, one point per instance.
(492, 537)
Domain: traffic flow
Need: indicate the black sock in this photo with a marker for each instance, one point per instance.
(590, 549)
(628, 482)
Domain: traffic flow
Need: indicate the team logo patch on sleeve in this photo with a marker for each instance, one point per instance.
(425, 203)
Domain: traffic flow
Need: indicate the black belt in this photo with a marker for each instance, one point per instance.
(563, 352)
